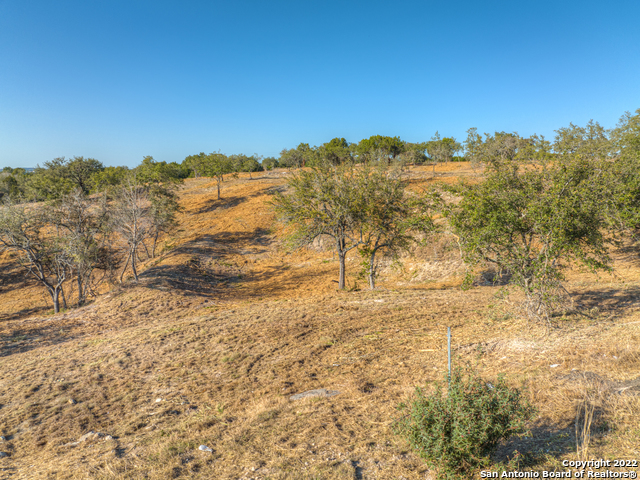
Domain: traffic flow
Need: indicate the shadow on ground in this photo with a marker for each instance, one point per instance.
(46, 333)
(209, 268)
(533, 451)
(613, 301)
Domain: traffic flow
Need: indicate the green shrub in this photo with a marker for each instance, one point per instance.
(456, 432)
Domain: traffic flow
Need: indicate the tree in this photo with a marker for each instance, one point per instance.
(442, 149)
(532, 223)
(48, 183)
(473, 147)
(163, 209)
(26, 231)
(336, 151)
(415, 153)
(297, 157)
(79, 171)
(151, 171)
(217, 166)
(61, 176)
(196, 163)
(389, 218)
(378, 147)
(82, 224)
(591, 141)
(623, 181)
(132, 219)
(269, 163)
(323, 201)
(243, 163)
(108, 178)
(9, 186)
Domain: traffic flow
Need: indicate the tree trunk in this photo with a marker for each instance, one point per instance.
(146, 250)
(80, 292)
(218, 189)
(133, 265)
(153, 249)
(125, 267)
(341, 258)
(55, 296)
(372, 272)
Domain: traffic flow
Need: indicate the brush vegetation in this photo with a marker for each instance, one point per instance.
(185, 317)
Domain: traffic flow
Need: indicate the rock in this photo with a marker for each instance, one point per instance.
(3, 454)
(554, 365)
(108, 437)
(90, 436)
(320, 392)
(3, 439)
(72, 401)
(158, 400)
(204, 448)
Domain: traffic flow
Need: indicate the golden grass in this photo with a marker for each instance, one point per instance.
(224, 327)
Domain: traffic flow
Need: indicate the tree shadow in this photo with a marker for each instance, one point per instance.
(208, 271)
(222, 204)
(233, 201)
(24, 339)
(630, 252)
(14, 278)
(613, 301)
(25, 312)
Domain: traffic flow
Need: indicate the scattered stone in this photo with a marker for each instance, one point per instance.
(3, 438)
(320, 392)
(90, 436)
(554, 365)
(72, 401)
(108, 437)
(158, 400)
(3, 454)
(204, 448)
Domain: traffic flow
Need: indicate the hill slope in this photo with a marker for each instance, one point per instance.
(225, 326)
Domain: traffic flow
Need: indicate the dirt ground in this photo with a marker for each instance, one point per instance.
(226, 325)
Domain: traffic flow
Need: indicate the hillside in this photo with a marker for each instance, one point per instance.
(226, 325)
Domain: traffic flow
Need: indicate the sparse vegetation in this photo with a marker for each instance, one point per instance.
(458, 428)
(225, 325)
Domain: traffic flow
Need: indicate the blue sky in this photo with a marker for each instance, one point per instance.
(120, 80)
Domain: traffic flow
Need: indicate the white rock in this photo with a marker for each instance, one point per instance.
(204, 448)
(158, 400)
(554, 365)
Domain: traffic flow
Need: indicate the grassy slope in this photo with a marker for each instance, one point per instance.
(224, 327)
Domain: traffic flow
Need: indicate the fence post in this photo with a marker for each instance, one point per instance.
(449, 353)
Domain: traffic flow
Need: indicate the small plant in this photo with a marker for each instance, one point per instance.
(456, 431)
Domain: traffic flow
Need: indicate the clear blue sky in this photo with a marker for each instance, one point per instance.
(117, 80)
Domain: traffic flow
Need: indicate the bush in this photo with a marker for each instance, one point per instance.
(458, 431)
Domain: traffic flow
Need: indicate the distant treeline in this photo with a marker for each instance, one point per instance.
(61, 176)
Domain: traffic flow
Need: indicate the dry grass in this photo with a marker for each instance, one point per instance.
(224, 327)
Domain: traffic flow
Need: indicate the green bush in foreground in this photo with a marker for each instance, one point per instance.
(457, 432)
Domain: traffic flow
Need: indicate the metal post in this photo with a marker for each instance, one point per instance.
(449, 352)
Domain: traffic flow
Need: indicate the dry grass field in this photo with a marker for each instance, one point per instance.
(226, 325)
